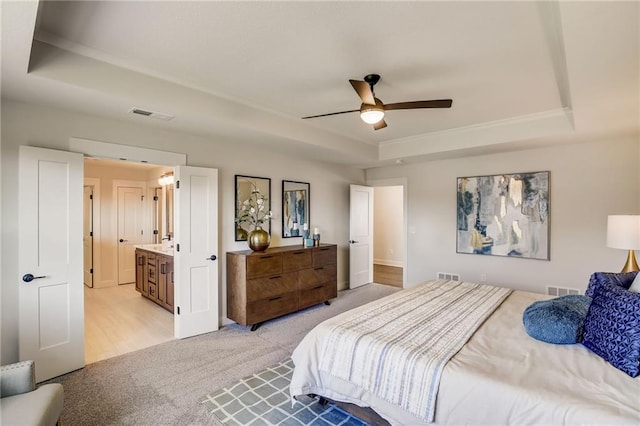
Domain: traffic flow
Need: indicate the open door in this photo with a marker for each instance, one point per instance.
(196, 251)
(51, 289)
(360, 236)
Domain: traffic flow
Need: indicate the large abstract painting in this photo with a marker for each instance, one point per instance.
(504, 215)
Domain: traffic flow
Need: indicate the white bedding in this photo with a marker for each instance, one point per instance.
(501, 376)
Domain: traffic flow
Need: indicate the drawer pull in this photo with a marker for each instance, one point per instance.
(275, 277)
(324, 249)
(275, 298)
(319, 268)
(162, 268)
(316, 288)
(266, 257)
(298, 252)
(140, 260)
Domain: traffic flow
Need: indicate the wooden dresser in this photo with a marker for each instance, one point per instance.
(280, 280)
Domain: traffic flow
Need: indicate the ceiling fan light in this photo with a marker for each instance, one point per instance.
(371, 114)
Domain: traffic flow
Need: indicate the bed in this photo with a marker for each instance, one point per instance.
(500, 375)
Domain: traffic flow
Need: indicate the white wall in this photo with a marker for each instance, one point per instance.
(388, 225)
(588, 182)
(24, 124)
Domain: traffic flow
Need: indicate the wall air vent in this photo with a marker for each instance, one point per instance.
(448, 276)
(152, 114)
(561, 291)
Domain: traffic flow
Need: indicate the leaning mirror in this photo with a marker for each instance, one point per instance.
(295, 207)
(253, 205)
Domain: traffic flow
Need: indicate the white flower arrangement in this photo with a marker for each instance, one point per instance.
(253, 210)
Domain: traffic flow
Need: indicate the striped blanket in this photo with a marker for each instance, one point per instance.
(397, 350)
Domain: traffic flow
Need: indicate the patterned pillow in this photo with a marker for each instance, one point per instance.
(559, 320)
(598, 279)
(612, 327)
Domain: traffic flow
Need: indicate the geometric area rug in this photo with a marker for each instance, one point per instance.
(263, 399)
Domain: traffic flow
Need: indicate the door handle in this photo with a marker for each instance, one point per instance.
(212, 257)
(27, 278)
(353, 242)
(123, 241)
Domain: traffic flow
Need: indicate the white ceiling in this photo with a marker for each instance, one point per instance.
(520, 73)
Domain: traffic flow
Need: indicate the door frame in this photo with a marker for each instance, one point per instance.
(403, 182)
(97, 226)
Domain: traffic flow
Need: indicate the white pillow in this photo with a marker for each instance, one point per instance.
(635, 285)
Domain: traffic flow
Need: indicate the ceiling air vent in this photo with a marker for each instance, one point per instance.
(152, 114)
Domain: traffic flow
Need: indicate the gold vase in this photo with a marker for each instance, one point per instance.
(259, 239)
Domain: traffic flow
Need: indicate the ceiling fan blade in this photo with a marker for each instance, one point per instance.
(380, 125)
(436, 103)
(331, 113)
(364, 91)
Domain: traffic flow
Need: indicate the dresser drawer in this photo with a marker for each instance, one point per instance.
(272, 307)
(318, 275)
(317, 294)
(264, 264)
(295, 260)
(324, 255)
(274, 285)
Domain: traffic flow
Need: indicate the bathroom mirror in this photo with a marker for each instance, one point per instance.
(252, 192)
(295, 207)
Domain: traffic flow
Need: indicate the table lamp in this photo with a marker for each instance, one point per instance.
(623, 232)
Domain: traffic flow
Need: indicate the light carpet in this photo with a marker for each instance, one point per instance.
(263, 399)
(164, 384)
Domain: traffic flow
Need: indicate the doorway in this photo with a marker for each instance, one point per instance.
(391, 231)
(117, 318)
(57, 339)
(388, 238)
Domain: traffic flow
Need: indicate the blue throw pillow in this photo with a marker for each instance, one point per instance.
(612, 327)
(598, 279)
(559, 320)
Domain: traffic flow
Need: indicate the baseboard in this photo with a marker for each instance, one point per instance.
(386, 262)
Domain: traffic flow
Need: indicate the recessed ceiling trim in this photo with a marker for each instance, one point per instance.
(554, 122)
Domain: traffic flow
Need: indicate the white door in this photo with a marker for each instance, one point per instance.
(196, 251)
(360, 236)
(51, 304)
(130, 231)
(87, 235)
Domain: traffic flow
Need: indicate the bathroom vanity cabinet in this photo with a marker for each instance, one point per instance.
(154, 275)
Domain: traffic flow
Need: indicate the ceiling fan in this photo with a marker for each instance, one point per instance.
(372, 109)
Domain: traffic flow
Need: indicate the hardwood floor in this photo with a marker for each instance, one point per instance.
(390, 275)
(119, 320)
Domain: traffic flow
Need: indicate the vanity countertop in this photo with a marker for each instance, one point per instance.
(157, 248)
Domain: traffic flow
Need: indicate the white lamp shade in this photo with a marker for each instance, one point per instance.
(623, 232)
(371, 115)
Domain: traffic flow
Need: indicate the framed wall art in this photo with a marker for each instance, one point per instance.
(253, 205)
(504, 215)
(295, 207)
